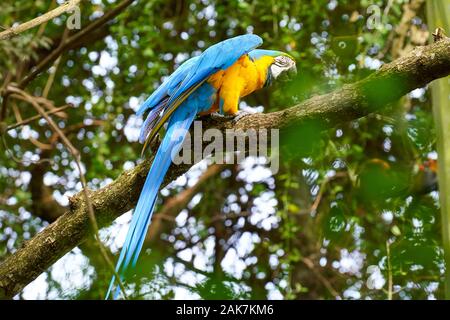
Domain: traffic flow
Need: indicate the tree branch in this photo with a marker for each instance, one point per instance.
(352, 101)
(13, 31)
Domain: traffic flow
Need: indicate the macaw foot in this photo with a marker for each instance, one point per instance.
(240, 114)
(234, 117)
(220, 117)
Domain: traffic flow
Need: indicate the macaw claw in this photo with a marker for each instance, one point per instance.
(233, 117)
(240, 114)
(221, 117)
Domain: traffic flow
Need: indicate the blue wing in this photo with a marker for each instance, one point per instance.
(167, 86)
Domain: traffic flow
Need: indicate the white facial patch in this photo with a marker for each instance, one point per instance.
(276, 70)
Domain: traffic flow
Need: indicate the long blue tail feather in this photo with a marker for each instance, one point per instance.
(179, 124)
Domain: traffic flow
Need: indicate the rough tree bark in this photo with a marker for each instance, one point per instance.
(389, 83)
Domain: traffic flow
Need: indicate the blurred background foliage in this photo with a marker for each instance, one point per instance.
(353, 212)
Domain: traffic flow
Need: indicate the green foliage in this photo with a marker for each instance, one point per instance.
(341, 194)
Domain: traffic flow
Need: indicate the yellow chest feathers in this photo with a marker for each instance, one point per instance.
(242, 78)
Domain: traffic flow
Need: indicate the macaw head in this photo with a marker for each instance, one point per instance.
(281, 66)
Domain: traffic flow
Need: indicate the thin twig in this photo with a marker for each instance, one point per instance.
(319, 196)
(13, 31)
(310, 264)
(52, 75)
(389, 270)
(20, 161)
(388, 8)
(37, 117)
(7, 80)
(41, 29)
(95, 225)
(34, 141)
(28, 98)
(51, 78)
(37, 143)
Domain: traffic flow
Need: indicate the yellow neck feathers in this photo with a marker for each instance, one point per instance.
(242, 78)
(262, 66)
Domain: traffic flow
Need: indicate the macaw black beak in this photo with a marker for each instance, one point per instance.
(288, 74)
(292, 72)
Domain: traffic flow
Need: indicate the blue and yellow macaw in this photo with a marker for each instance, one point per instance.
(211, 82)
